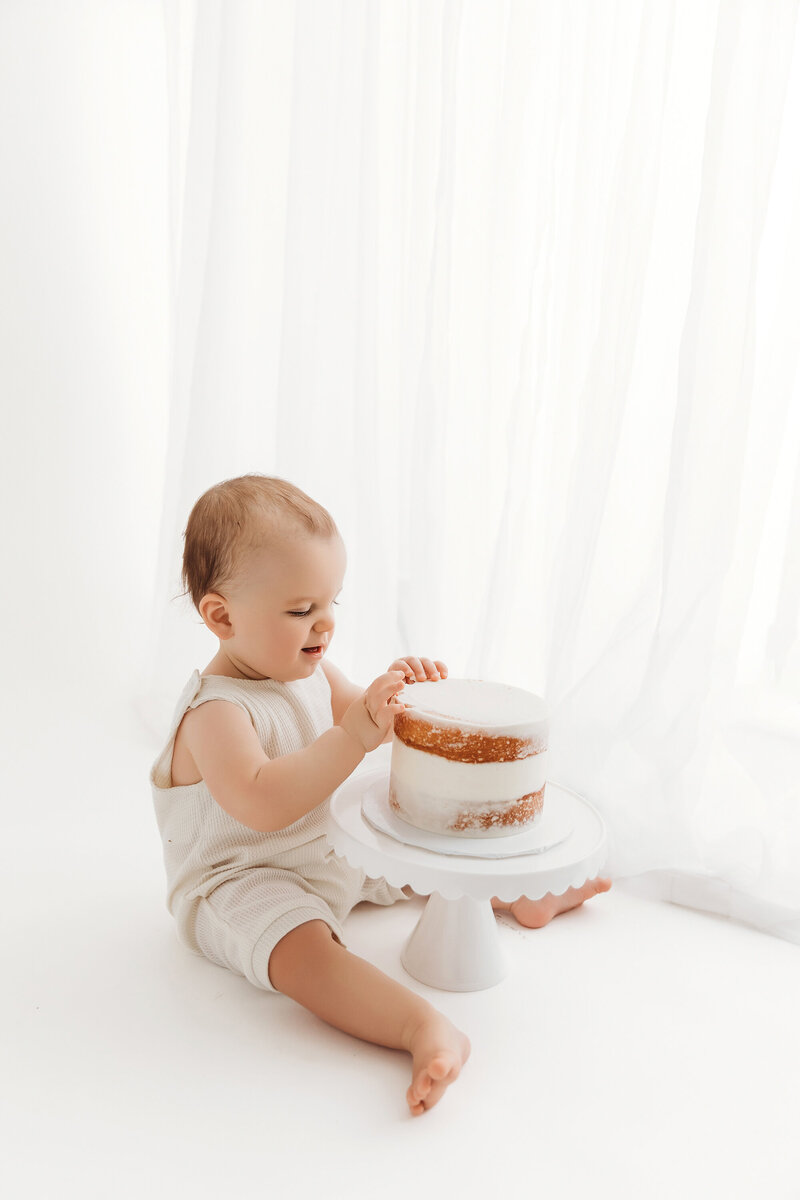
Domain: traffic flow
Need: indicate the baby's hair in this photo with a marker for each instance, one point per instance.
(240, 514)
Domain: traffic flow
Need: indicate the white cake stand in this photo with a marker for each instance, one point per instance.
(455, 944)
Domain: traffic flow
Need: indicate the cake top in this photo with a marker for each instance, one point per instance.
(475, 702)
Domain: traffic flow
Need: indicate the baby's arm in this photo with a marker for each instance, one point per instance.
(268, 794)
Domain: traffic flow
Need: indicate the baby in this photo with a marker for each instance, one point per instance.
(258, 742)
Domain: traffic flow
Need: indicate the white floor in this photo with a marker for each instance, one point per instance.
(636, 1049)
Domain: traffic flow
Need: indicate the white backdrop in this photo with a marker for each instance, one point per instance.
(513, 289)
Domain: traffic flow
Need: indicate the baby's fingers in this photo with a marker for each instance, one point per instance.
(420, 669)
(433, 670)
(386, 686)
(412, 669)
(382, 699)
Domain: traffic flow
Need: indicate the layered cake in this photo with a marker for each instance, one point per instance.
(469, 758)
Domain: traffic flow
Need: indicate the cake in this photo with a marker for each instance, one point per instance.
(469, 758)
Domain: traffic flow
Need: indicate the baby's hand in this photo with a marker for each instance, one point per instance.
(419, 669)
(371, 716)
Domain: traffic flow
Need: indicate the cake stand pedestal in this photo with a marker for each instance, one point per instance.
(456, 945)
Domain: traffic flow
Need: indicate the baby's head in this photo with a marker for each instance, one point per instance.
(263, 564)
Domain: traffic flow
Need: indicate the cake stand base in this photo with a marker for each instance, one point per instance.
(455, 945)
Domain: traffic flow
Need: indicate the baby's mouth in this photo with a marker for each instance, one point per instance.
(313, 649)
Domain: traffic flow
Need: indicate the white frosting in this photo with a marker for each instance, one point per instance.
(457, 784)
(428, 809)
(436, 793)
(474, 704)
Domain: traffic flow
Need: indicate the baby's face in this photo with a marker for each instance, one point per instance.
(284, 606)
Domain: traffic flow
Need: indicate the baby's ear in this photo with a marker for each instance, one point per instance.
(213, 608)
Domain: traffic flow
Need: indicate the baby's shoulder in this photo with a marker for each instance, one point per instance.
(207, 722)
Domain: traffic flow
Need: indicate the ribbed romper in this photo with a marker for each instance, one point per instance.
(235, 892)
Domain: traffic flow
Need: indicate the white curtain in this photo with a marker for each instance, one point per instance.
(513, 288)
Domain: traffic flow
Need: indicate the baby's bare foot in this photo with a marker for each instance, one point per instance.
(439, 1051)
(534, 914)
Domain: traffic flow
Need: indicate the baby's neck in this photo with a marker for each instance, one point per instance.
(222, 665)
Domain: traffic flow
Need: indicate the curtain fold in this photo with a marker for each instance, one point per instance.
(514, 290)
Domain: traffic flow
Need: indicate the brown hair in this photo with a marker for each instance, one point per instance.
(240, 514)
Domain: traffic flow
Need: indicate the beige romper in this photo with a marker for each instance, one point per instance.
(233, 891)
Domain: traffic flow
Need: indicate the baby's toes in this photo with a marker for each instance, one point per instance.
(593, 887)
(431, 1082)
(443, 1072)
(441, 1068)
(419, 1091)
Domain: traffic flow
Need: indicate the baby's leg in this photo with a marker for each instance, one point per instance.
(309, 965)
(536, 913)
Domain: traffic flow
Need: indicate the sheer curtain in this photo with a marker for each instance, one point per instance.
(514, 289)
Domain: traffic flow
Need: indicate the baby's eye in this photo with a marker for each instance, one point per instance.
(292, 613)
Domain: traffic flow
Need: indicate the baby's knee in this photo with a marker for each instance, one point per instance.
(298, 952)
